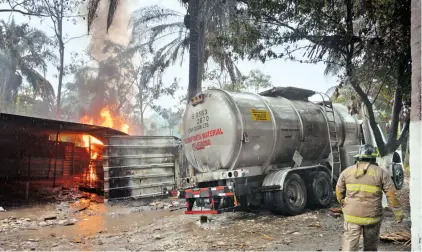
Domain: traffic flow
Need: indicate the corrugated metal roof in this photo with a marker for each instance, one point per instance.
(15, 124)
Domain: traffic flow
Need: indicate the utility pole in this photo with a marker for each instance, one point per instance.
(416, 127)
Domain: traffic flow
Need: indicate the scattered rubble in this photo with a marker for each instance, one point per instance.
(164, 205)
(48, 216)
(67, 222)
(77, 240)
(158, 237)
(315, 225)
(267, 237)
(396, 237)
(136, 227)
(336, 210)
(2, 209)
(82, 206)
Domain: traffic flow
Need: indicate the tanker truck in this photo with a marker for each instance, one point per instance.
(277, 150)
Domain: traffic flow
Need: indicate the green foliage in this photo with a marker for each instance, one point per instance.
(164, 29)
(255, 81)
(366, 44)
(172, 117)
(93, 7)
(28, 104)
(110, 82)
(24, 51)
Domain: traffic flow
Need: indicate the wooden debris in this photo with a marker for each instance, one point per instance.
(336, 210)
(396, 237)
(267, 237)
(82, 206)
(334, 215)
(315, 225)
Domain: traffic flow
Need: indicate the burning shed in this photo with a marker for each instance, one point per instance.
(39, 154)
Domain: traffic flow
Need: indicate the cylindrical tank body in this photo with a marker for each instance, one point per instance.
(235, 130)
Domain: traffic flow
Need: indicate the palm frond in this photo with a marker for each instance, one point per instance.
(92, 12)
(40, 85)
(25, 51)
(93, 7)
(152, 15)
(111, 11)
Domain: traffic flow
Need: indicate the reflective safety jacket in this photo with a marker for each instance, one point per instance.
(359, 191)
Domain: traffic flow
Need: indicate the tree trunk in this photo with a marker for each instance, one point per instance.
(201, 42)
(406, 155)
(193, 48)
(59, 88)
(416, 128)
(404, 147)
(61, 51)
(142, 123)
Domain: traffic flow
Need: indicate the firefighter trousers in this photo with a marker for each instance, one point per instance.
(352, 233)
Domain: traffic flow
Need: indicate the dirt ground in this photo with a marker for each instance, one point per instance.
(88, 224)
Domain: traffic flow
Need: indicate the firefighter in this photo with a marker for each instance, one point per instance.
(359, 191)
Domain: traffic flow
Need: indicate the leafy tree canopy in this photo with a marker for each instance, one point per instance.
(361, 42)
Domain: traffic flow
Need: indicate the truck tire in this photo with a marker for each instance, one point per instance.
(277, 205)
(398, 175)
(292, 199)
(320, 190)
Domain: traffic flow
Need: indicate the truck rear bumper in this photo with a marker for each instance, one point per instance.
(219, 191)
(202, 212)
(210, 196)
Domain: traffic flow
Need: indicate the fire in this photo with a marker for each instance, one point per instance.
(108, 120)
(91, 176)
(125, 128)
(105, 119)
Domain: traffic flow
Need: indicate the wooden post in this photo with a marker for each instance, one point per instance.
(29, 171)
(55, 158)
(89, 164)
(72, 162)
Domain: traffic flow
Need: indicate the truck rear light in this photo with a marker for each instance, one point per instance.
(197, 99)
(236, 174)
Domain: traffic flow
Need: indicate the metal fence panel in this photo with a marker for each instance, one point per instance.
(139, 166)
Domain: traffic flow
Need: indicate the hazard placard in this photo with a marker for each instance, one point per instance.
(260, 115)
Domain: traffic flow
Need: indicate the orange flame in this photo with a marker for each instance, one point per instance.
(92, 177)
(106, 119)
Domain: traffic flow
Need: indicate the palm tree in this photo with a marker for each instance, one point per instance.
(207, 21)
(23, 52)
(93, 7)
(153, 26)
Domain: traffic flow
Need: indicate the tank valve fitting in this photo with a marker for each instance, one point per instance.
(245, 138)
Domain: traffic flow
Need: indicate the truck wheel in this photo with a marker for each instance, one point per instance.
(321, 191)
(292, 199)
(277, 204)
(398, 175)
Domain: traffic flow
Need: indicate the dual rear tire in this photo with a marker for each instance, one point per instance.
(296, 195)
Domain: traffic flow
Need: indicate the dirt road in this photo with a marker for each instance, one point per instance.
(88, 224)
(103, 227)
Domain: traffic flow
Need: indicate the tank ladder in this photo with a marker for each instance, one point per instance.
(334, 158)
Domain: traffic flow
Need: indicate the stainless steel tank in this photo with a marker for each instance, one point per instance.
(223, 130)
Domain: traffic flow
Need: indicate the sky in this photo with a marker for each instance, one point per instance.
(282, 72)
